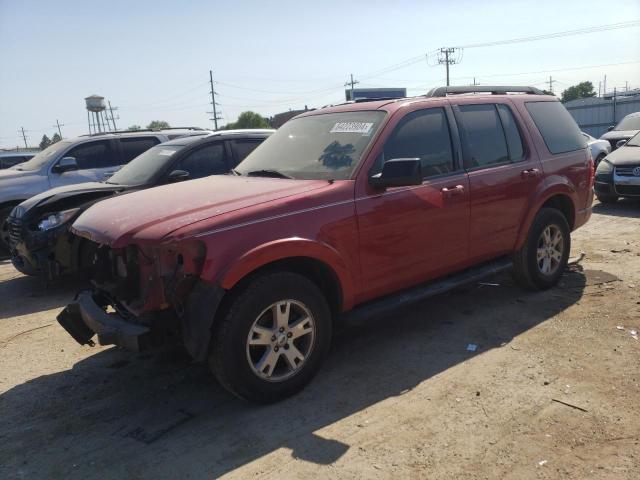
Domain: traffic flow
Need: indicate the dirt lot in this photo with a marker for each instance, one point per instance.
(400, 396)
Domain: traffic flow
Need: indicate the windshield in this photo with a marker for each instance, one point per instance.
(634, 141)
(327, 146)
(42, 157)
(146, 166)
(629, 123)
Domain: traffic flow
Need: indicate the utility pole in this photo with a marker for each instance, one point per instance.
(551, 80)
(626, 85)
(604, 86)
(213, 102)
(59, 130)
(474, 81)
(600, 88)
(447, 60)
(24, 137)
(352, 82)
(113, 120)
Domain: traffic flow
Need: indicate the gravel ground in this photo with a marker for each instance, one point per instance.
(551, 390)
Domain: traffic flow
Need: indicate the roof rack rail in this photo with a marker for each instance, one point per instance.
(492, 89)
(142, 130)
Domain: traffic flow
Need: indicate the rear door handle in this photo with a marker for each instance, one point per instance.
(531, 172)
(448, 192)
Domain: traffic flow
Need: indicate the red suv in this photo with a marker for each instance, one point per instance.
(353, 209)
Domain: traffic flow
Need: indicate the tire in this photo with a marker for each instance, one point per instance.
(4, 231)
(23, 268)
(540, 274)
(604, 198)
(237, 364)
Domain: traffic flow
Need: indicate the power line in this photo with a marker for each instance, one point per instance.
(566, 33)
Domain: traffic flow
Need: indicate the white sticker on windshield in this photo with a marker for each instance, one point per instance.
(166, 153)
(352, 127)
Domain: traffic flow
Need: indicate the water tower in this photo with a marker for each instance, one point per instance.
(96, 106)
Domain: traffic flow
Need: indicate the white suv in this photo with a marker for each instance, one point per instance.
(90, 158)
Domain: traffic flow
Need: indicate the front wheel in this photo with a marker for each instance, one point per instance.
(4, 231)
(540, 262)
(272, 338)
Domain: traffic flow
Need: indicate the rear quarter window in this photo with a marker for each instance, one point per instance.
(557, 127)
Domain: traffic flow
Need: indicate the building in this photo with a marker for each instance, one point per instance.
(280, 119)
(373, 93)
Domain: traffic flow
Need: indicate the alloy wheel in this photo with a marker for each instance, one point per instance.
(550, 250)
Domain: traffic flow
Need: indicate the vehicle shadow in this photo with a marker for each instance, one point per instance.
(157, 415)
(22, 295)
(625, 207)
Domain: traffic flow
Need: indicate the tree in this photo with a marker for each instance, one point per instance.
(56, 138)
(134, 128)
(581, 90)
(158, 125)
(45, 142)
(249, 120)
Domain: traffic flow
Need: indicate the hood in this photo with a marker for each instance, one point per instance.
(70, 195)
(151, 215)
(625, 156)
(619, 134)
(18, 185)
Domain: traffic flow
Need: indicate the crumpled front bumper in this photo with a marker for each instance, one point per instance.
(86, 317)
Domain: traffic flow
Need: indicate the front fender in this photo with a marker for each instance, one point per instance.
(282, 249)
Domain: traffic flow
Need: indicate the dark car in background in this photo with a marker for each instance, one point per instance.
(10, 159)
(624, 130)
(618, 174)
(39, 235)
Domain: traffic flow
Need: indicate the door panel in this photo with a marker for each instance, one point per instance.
(503, 174)
(410, 235)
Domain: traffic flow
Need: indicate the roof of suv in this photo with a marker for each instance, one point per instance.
(457, 94)
(219, 134)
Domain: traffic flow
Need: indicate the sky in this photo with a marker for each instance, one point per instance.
(151, 59)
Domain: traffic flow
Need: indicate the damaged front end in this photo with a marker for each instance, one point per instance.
(145, 296)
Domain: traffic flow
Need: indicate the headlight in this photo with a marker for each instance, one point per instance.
(56, 219)
(604, 167)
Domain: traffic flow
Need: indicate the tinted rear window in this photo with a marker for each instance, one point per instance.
(557, 127)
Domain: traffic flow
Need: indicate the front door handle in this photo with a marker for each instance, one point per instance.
(530, 172)
(448, 192)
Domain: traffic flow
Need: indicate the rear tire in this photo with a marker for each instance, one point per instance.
(272, 338)
(604, 198)
(540, 262)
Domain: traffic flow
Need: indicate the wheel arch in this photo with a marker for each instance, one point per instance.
(562, 198)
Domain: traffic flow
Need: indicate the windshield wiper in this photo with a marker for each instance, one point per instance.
(236, 172)
(268, 173)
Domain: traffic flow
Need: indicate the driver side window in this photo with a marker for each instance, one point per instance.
(422, 134)
(208, 160)
(92, 155)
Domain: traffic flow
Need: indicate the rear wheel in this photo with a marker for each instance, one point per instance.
(272, 338)
(540, 262)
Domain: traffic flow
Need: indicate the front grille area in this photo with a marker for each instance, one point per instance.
(626, 171)
(15, 229)
(613, 144)
(633, 190)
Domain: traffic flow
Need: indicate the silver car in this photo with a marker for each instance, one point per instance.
(599, 148)
(10, 159)
(89, 158)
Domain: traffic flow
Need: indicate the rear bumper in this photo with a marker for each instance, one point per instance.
(86, 317)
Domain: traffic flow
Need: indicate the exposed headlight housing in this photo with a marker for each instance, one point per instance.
(604, 167)
(53, 220)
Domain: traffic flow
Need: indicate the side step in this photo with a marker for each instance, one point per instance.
(429, 289)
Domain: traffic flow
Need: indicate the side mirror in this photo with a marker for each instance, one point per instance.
(398, 172)
(66, 164)
(611, 128)
(621, 143)
(178, 176)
